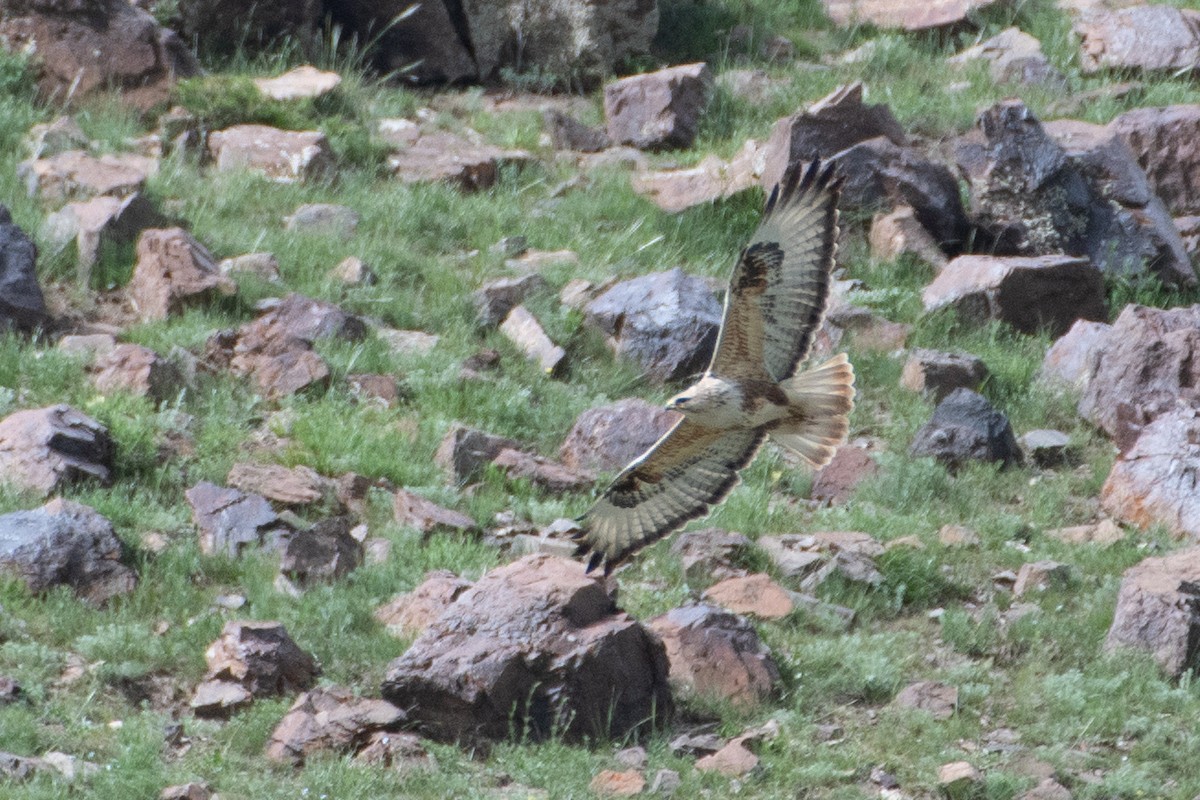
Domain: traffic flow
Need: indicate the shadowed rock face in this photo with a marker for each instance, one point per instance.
(21, 303)
(966, 427)
(1158, 610)
(534, 647)
(44, 449)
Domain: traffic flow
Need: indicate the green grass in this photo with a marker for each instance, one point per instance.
(1113, 720)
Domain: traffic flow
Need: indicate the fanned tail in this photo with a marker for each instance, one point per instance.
(820, 400)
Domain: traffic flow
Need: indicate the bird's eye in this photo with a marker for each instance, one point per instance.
(679, 401)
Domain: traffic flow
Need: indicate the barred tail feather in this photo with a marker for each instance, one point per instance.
(821, 399)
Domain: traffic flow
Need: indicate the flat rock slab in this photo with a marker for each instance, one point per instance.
(1144, 365)
(77, 175)
(657, 110)
(716, 654)
(666, 322)
(65, 543)
(299, 83)
(44, 449)
(536, 646)
(330, 719)
(902, 14)
(496, 298)
(756, 595)
(541, 471)
(230, 520)
(523, 329)
(712, 179)
(1158, 610)
(939, 699)
(323, 218)
(413, 511)
(441, 157)
(966, 427)
(283, 156)
(290, 486)
(1029, 293)
(1157, 480)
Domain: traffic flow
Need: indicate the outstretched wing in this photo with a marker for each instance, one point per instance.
(780, 285)
(686, 472)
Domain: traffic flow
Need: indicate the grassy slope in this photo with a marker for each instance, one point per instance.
(1075, 709)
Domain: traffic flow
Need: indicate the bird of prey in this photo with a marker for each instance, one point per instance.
(751, 389)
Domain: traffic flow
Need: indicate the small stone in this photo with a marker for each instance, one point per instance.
(187, 791)
(665, 782)
(261, 265)
(940, 700)
(427, 517)
(290, 486)
(510, 246)
(323, 218)
(733, 760)
(1047, 448)
(631, 757)
(523, 330)
(609, 783)
(1040, 576)
(495, 299)
(537, 260)
(353, 272)
(139, 371)
(958, 779)
(465, 452)
(408, 343)
(384, 389)
(1104, 533)
(230, 520)
(966, 427)
(958, 536)
(568, 133)
(710, 554)
(299, 83)
(936, 374)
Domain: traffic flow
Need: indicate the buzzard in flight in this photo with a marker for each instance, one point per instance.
(751, 390)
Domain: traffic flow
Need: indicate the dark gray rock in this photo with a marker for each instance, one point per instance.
(428, 45)
(666, 322)
(251, 659)
(966, 427)
(609, 437)
(323, 552)
(936, 374)
(496, 298)
(466, 452)
(230, 520)
(568, 133)
(1046, 448)
(21, 303)
(226, 25)
(535, 646)
(1067, 187)
(65, 544)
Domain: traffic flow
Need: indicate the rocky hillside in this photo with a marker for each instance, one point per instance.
(323, 321)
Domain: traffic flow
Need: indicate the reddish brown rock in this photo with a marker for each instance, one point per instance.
(1031, 294)
(522, 329)
(413, 511)
(411, 613)
(441, 157)
(383, 389)
(940, 700)
(65, 544)
(898, 233)
(756, 595)
(1155, 481)
(710, 554)
(1158, 610)
(835, 482)
(173, 270)
(466, 452)
(284, 156)
(1166, 143)
(330, 719)
(1152, 37)
(610, 783)
(660, 109)
(716, 654)
(137, 370)
(901, 14)
(1148, 361)
(936, 374)
(114, 45)
(76, 175)
(1069, 361)
(550, 475)
(610, 437)
(733, 760)
(260, 658)
(229, 520)
(290, 486)
(536, 644)
(830, 125)
(44, 449)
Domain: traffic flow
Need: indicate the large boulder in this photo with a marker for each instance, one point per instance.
(666, 322)
(226, 25)
(966, 427)
(86, 46)
(609, 437)
(1067, 187)
(430, 44)
(658, 110)
(538, 647)
(1029, 293)
(1158, 610)
(44, 449)
(65, 543)
(1155, 482)
(22, 306)
(1166, 143)
(1148, 361)
(1151, 37)
(839, 120)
